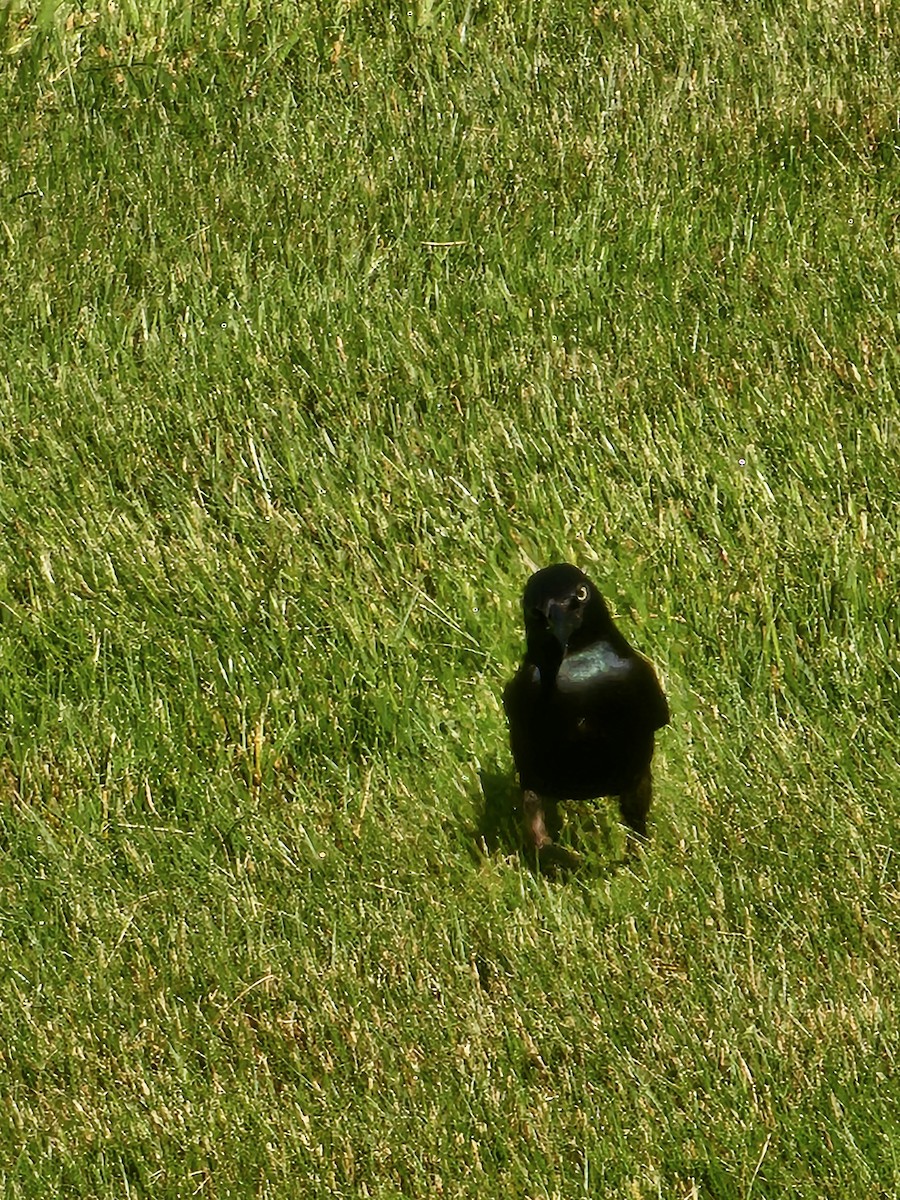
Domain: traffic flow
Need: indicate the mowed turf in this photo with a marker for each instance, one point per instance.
(321, 326)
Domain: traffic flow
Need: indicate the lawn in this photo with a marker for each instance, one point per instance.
(321, 326)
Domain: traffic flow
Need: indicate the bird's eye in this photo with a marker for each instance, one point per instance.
(582, 594)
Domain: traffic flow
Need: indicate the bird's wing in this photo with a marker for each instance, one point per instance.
(645, 695)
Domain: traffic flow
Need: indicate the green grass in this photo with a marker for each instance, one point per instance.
(320, 327)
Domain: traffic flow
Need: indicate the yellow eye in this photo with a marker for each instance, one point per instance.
(582, 594)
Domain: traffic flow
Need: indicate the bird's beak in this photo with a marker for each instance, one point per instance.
(559, 620)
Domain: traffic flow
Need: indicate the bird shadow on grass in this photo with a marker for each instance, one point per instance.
(499, 831)
(498, 801)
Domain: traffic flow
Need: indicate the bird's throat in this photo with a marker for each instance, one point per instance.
(548, 661)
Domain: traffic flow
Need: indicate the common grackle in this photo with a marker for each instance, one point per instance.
(582, 708)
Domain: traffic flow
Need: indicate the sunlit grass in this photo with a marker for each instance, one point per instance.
(320, 329)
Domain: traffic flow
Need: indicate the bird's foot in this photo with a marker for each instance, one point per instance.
(552, 857)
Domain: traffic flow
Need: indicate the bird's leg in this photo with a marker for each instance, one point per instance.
(550, 855)
(635, 803)
(533, 817)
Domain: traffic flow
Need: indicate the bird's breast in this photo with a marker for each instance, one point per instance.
(597, 664)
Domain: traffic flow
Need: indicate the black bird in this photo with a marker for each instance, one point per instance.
(582, 708)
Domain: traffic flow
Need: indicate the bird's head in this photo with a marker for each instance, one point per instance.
(563, 611)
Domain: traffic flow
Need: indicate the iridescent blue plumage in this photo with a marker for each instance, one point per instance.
(596, 665)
